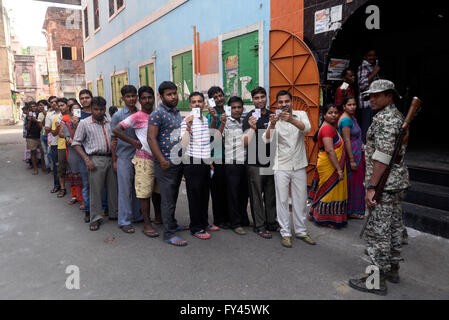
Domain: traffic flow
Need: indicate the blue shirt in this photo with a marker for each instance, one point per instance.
(168, 121)
(124, 149)
(85, 115)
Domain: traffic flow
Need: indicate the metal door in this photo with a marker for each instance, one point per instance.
(241, 66)
(293, 68)
(182, 66)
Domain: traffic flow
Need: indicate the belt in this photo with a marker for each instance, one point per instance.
(98, 154)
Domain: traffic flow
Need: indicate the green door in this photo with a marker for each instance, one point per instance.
(241, 66)
(183, 78)
(146, 75)
(100, 87)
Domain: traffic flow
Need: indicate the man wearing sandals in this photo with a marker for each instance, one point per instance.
(288, 129)
(143, 161)
(94, 134)
(163, 138)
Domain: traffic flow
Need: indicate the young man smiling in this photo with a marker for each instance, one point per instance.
(128, 204)
(261, 179)
(288, 130)
(143, 160)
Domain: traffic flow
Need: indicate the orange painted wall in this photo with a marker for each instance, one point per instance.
(288, 15)
(209, 56)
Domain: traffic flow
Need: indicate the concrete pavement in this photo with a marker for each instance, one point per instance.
(41, 235)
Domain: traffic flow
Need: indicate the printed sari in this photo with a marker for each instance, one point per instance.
(356, 189)
(328, 194)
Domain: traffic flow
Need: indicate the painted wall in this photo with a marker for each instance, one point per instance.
(288, 15)
(171, 32)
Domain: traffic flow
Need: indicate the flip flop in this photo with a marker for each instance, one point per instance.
(172, 242)
(94, 226)
(182, 228)
(151, 234)
(128, 229)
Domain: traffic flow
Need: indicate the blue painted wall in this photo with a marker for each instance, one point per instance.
(172, 32)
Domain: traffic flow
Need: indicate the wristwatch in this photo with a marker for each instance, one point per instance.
(370, 186)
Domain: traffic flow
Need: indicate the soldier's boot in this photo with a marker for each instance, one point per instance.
(404, 237)
(393, 274)
(361, 285)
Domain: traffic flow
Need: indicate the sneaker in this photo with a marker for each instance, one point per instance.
(203, 235)
(212, 228)
(239, 231)
(306, 239)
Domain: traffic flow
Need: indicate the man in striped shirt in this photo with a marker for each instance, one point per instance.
(94, 134)
(195, 140)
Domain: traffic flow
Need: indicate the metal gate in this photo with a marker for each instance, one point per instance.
(293, 68)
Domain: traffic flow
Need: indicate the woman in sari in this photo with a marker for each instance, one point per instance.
(352, 137)
(329, 191)
(73, 175)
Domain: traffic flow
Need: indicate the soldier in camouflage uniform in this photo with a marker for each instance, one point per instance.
(384, 228)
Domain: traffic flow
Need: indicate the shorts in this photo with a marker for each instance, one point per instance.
(33, 144)
(144, 180)
(62, 163)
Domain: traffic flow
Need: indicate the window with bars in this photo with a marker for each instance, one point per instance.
(96, 15)
(68, 53)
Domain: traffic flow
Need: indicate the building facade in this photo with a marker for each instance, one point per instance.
(63, 30)
(8, 109)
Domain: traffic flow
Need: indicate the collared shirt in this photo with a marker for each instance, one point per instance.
(60, 142)
(94, 136)
(290, 147)
(216, 146)
(363, 73)
(139, 122)
(53, 141)
(199, 143)
(233, 143)
(255, 157)
(168, 120)
(380, 141)
(41, 119)
(124, 150)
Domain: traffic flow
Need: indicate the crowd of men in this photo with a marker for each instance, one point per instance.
(143, 154)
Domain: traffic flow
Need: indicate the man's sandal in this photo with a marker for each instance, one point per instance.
(62, 193)
(265, 234)
(94, 226)
(203, 235)
(54, 190)
(151, 233)
(286, 242)
(128, 229)
(307, 239)
(173, 241)
(239, 231)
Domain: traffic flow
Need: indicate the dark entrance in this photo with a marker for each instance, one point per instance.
(413, 52)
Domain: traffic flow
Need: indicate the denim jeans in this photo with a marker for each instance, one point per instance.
(128, 204)
(85, 178)
(54, 159)
(46, 155)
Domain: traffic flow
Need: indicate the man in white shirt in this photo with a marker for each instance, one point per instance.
(53, 140)
(288, 128)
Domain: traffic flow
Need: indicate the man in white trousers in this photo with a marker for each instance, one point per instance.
(288, 128)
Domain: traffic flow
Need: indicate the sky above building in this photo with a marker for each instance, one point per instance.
(27, 18)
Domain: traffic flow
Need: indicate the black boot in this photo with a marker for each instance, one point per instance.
(87, 217)
(393, 274)
(360, 284)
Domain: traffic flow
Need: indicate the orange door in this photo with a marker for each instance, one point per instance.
(293, 68)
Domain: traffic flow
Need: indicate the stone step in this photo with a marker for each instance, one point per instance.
(427, 175)
(426, 219)
(428, 195)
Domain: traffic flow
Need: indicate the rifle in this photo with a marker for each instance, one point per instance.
(395, 158)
